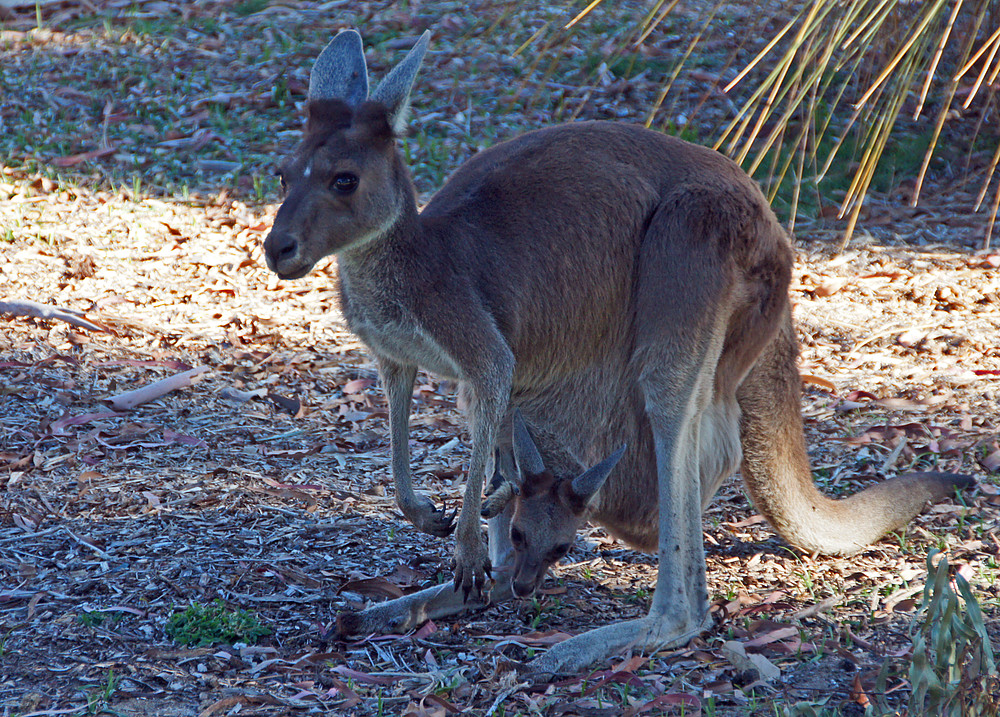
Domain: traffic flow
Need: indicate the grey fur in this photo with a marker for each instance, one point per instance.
(394, 90)
(340, 72)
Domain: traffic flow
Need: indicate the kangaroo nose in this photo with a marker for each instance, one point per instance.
(285, 246)
(282, 246)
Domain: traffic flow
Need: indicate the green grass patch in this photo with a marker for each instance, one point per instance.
(202, 625)
(98, 618)
(249, 7)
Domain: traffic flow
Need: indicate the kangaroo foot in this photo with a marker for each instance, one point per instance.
(646, 635)
(473, 571)
(398, 615)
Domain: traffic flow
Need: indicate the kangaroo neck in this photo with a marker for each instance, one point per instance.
(371, 257)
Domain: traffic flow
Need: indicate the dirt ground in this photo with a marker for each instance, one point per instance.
(265, 482)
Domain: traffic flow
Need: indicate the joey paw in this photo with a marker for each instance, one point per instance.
(348, 624)
(428, 518)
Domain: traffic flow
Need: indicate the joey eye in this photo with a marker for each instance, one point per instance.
(516, 537)
(344, 183)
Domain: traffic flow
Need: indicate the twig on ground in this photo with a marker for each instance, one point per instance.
(87, 544)
(822, 606)
(46, 311)
(131, 399)
(504, 695)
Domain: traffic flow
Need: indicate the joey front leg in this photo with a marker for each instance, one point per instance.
(398, 379)
(409, 611)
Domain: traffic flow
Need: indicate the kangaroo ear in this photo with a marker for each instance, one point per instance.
(526, 454)
(340, 71)
(589, 482)
(394, 90)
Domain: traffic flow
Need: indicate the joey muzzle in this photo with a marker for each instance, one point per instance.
(527, 578)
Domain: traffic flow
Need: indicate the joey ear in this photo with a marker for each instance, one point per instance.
(506, 466)
(340, 71)
(394, 90)
(526, 454)
(590, 481)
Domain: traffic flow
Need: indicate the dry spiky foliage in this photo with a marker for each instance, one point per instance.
(834, 86)
(953, 671)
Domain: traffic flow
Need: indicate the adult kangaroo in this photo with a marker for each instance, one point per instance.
(616, 285)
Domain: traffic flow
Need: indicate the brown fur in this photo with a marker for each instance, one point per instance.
(614, 284)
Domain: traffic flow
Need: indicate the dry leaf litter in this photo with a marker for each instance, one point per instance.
(265, 481)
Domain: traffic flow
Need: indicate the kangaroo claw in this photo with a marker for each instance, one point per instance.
(442, 524)
(428, 518)
(474, 577)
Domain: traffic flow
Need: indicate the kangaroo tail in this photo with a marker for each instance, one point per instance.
(777, 474)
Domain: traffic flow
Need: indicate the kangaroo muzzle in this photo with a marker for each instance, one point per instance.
(279, 247)
(281, 252)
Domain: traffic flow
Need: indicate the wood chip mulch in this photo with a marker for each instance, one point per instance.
(265, 482)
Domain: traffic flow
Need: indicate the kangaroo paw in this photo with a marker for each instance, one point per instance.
(473, 571)
(428, 518)
(409, 611)
(401, 614)
(380, 619)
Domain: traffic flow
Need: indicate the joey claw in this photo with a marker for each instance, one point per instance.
(442, 524)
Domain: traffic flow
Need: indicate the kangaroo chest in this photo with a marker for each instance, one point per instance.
(392, 331)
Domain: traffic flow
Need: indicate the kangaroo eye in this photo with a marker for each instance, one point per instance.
(344, 183)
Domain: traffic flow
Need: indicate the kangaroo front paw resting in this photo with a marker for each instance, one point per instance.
(428, 518)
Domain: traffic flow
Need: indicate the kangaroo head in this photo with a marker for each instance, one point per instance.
(345, 183)
(548, 510)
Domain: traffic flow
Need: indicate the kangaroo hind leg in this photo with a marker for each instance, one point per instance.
(683, 295)
(689, 284)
